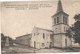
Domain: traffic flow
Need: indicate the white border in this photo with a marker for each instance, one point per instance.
(34, 53)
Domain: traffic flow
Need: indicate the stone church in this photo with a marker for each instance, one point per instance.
(44, 38)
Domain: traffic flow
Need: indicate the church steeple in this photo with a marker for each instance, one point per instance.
(60, 16)
(59, 7)
(59, 27)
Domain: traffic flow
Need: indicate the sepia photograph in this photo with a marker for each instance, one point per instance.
(51, 26)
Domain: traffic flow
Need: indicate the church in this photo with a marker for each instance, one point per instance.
(44, 38)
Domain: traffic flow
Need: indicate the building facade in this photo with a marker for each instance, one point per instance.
(41, 38)
(60, 25)
(24, 39)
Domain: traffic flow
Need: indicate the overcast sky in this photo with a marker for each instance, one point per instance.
(15, 23)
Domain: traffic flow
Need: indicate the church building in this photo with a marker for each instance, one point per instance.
(43, 38)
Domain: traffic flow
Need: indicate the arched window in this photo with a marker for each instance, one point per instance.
(43, 35)
(54, 20)
(66, 20)
(66, 42)
(63, 19)
(57, 19)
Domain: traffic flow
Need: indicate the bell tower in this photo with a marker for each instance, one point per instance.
(59, 26)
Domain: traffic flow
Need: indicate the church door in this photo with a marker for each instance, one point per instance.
(34, 44)
(50, 44)
(65, 42)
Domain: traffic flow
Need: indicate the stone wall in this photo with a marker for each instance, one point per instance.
(24, 40)
(58, 40)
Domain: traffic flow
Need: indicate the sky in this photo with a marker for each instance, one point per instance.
(16, 22)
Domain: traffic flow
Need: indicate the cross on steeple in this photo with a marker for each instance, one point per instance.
(59, 7)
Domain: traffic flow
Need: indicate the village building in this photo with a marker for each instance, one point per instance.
(24, 39)
(43, 38)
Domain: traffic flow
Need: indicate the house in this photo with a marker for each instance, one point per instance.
(41, 38)
(24, 39)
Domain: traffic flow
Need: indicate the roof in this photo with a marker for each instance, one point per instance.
(43, 29)
(60, 12)
(59, 9)
(24, 35)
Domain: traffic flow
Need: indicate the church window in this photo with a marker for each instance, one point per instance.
(34, 44)
(43, 44)
(66, 42)
(63, 19)
(43, 35)
(37, 33)
(66, 20)
(54, 20)
(57, 19)
(47, 42)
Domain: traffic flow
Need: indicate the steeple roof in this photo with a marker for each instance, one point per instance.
(59, 7)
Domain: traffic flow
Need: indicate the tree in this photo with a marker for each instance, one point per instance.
(77, 32)
(77, 17)
(76, 28)
(2, 40)
(69, 34)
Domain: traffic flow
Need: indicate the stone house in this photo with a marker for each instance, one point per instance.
(41, 38)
